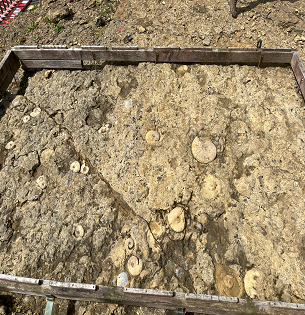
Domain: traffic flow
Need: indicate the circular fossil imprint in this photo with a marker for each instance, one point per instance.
(152, 136)
(84, 169)
(79, 232)
(129, 244)
(176, 219)
(134, 265)
(36, 112)
(75, 167)
(41, 182)
(203, 150)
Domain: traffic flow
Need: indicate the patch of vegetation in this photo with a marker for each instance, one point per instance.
(109, 8)
(35, 39)
(46, 20)
(99, 32)
(32, 26)
(34, 7)
(58, 28)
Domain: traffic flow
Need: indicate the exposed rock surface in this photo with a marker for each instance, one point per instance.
(131, 129)
(241, 229)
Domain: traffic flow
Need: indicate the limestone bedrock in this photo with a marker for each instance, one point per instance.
(253, 189)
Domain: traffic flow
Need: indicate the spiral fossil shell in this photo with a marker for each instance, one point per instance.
(79, 232)
(152, 136)
(176, 219)
(203, 150)
(36, 112)
(84, 169)
(75, 167)
(41, 182)
(134, 265)
(129, 243)
(26, 118)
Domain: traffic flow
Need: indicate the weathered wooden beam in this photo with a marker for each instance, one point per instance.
(199, 303)
(8, 68)
(52, 64)
(158, 54)
(299, 71)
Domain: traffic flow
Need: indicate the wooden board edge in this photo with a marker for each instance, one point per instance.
(12, 64)
(299, 71)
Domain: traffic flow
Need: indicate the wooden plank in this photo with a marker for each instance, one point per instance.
(6, 64)
(119, 55)
(299, 71)
(52, 64)
(276, 57)
(6, 81)
(49, 54)
(199, 303)
(248, 55)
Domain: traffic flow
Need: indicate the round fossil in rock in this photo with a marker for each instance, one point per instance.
(134, 265)
(36, 112)
(176, 219)
(182, 70)
(152, 136)
(84, 169)
(79, 232)
(75, 167)
(10, 145)
(203, 150)
(129, 243)
(26, 118)
(41, 182)
(122, 279)
(254, 283)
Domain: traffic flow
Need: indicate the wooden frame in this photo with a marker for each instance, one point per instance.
(199, 303)
(61, 57)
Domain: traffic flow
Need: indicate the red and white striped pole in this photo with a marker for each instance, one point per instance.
(10, 9)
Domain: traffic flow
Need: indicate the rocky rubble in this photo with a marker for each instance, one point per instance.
(100, 183)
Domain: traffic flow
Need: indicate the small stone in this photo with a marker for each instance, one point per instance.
(182, 70)
(75, 167)
(36, 112)
(141, 29)
(104, 129)
(122, 279)
(134, 265)
(84, 169)
(10, 145)
(16, 102)
(176, 219)
(26, 118)
(203, 150)
(152, 136)
(48, 73)
(129, 243)
(41, 182)
(79, 232)
(128, 103)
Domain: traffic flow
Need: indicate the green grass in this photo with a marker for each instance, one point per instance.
(32, 26)
(46, 20)
(58, 28)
